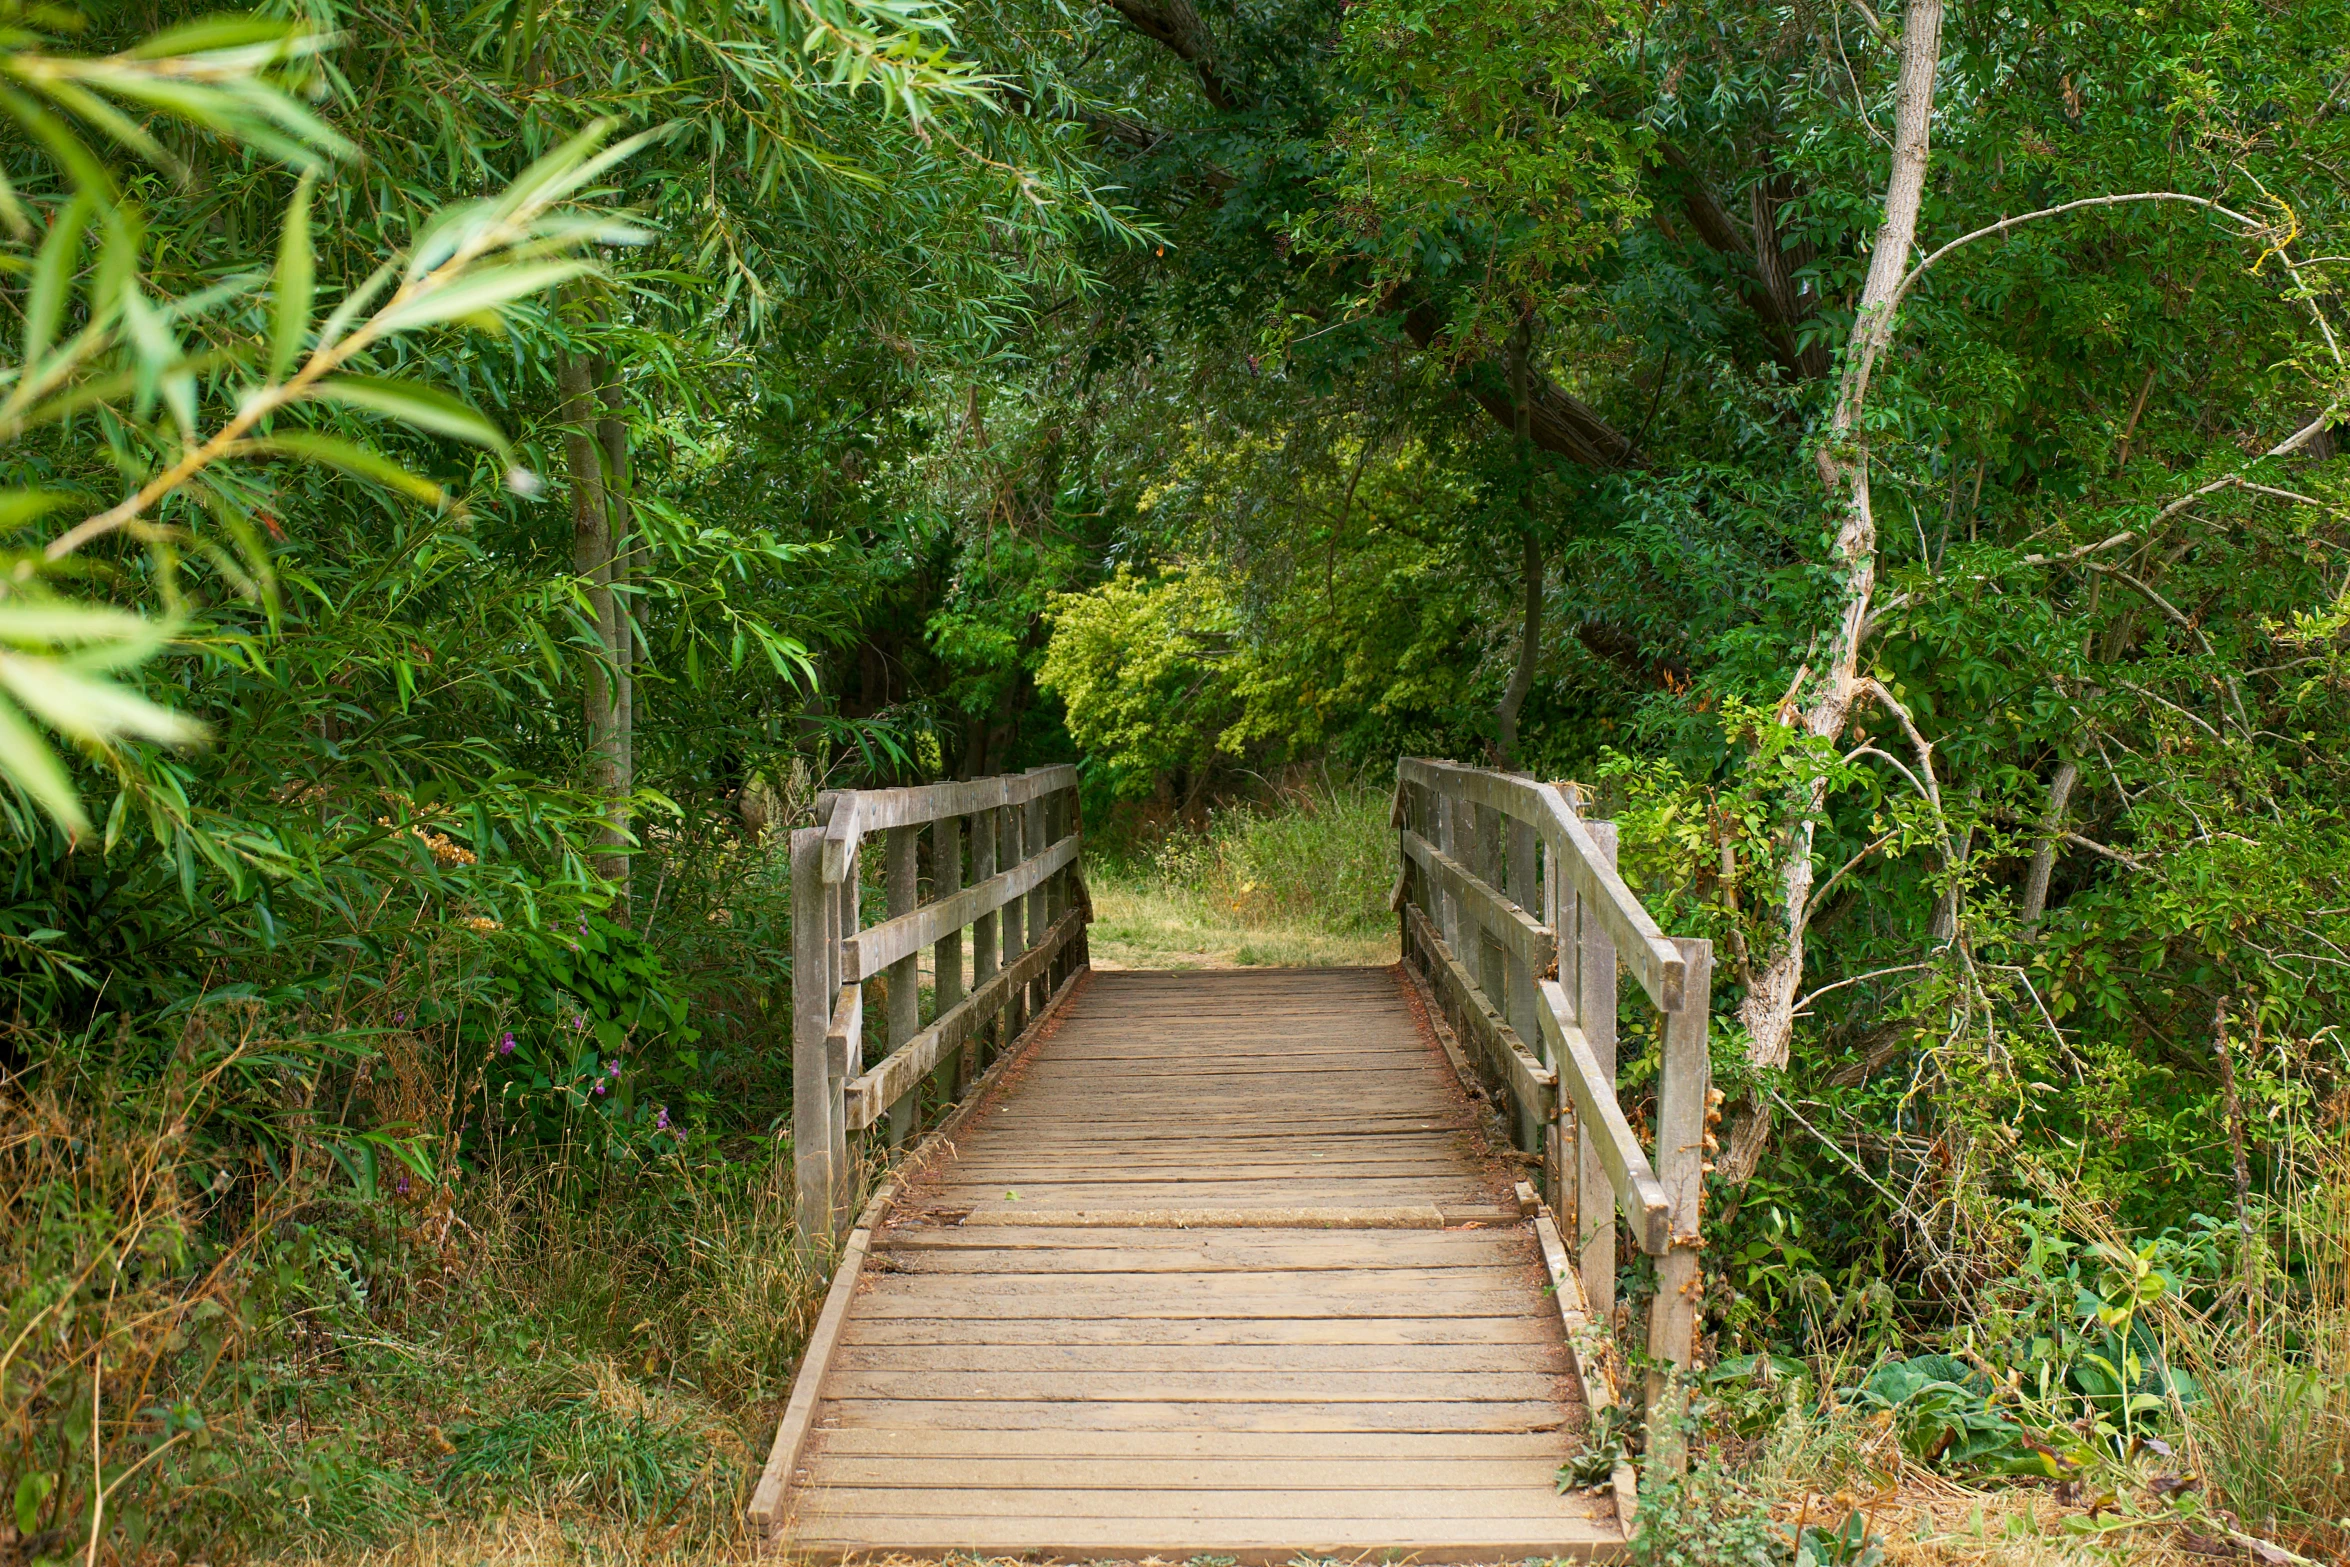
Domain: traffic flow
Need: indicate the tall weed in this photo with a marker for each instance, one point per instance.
(1322, 858)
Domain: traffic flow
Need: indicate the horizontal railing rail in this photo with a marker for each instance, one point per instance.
(994, 857)
(1513, 914)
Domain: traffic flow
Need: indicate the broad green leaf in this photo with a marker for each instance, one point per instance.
(90, 708)
(27, 761)
(18, 507)
(53, 271)
(209, 34)
(292, 288)
(58, 623)
(474, 292)
(358, 461)
(427, 408)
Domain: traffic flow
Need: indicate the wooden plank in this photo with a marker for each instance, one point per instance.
(876, 948)
(1053, 1249)
(1199, 1387)
(1370, 1284)
(1528, 1080)
(1280, 1306)
(1114, 1539)
(1638, 1191)
(1046, 1190)
(1640, 943)
(1504, 1327)
(1475, 1415)
(867, 1095)
(1428, 1216)
(919, 1442)
(997, 1472)
(799, 1413)
(1535, 944)
(1523, 1503)
(1250, 1359)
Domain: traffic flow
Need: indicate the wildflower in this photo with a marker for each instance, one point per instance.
(506, 1045)
(399, 1017)
(599, 1088)
(402, 1188)
(661, 1119)
(612, 1068)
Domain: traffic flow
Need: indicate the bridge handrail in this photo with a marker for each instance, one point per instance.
(1027, 922)
(1512, 911)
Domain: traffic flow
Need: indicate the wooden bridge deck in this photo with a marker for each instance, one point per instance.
(1222, 1266)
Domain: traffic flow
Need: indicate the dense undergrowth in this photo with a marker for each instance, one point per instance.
(475, 472)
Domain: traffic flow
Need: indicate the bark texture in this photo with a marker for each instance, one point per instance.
(1768, 1011)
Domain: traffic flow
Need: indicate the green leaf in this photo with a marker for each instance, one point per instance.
(87, 707)
(360, 462)
(27, 762)
(18, 507)
(476, 293)
(58, 623)
(31, 1490)
(52, 271)
(210, 33)
(292, 288)
(425, 407)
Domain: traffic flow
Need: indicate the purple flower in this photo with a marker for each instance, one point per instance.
(402, 1188)
(612, 1067)
(661, 1119)
(399, 1017)
(506, 1045)
(599, 1088)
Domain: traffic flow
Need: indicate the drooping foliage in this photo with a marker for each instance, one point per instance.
(475, 472)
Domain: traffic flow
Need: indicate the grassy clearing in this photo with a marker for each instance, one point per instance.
(1299, 884)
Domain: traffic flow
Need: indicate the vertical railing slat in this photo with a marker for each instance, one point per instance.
(946, 954)
(987, 930)
(1595, 1012)
(1680, 1167)
(811, 1020)
(899, 857)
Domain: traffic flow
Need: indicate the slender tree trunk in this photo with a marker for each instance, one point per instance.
(1513, 696)
(2060, 793)
(620, 482)
(591, 558)
(1768, 1011)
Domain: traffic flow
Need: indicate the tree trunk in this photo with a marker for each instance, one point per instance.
(619, 485)
(2060, 793)
(1768, 1012)
(591, 558)
(1513, 696)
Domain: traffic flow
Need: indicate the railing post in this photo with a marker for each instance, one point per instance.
(946, 954)
(1035, 833)
(905, 975)
(1518, 884)
(1594, 988)
(985, 953)
(1009, 853)
(813, 1113)
(848, 902)
(1082, 954)
(1680, 1167)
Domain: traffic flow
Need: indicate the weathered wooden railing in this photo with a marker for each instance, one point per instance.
(1001, 861)
(1515, 917)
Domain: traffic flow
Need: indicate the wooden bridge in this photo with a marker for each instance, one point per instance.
(1250, 1263)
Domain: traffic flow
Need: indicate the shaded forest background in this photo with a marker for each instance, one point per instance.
(475, 473)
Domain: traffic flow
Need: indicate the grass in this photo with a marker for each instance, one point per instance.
(1301, 883)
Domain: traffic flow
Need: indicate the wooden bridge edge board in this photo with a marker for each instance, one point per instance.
(766, 1512)
(1598, 1381)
